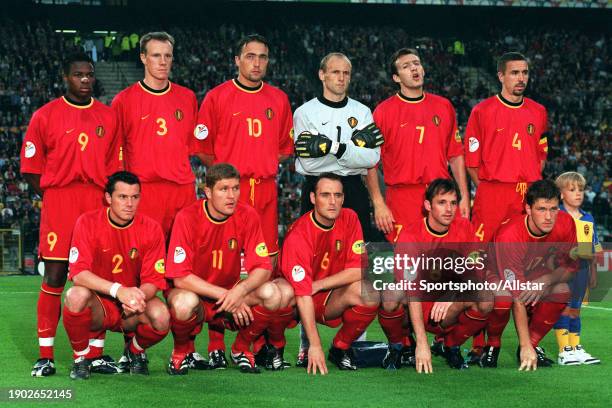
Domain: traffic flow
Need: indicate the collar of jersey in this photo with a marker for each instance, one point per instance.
(531, 234)
(210, 217)
(78, 105)
(114, 224)
(248, 89)
(152, 91)
(332, 104)
(319, 225)
(433, 232)
(404, 98)
(505, 102)
(580, 210)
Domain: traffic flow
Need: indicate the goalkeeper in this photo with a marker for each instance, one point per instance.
(337, 134)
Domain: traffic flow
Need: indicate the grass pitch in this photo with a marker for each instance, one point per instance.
(584, 386)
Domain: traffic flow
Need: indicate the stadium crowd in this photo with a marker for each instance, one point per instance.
(569, 75)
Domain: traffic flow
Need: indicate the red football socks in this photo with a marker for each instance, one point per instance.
(48, 312)
(216, 336)
(497, 321)
(146, 336)
(77, 327)
(469, 322)
(281, 319)
(543, 318)
(355, 321)
(181, 331)
(392, 324)
(247, 335)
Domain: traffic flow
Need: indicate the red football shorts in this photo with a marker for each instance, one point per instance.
(431, 326)
(60, 210)
(262, 194)
(406, 205)
(495, 203)
(161, 200)
(320, 300)
(112, 313)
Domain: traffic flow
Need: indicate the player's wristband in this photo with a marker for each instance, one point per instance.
(334, 147)
(337, 149)
(114, 289)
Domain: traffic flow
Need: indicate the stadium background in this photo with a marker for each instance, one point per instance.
(568, 43)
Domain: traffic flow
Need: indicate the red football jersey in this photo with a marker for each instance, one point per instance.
(157, 131)
(520, 254)
(460, 230)
(246, 127)
(312, 251)
(210, 248)
(507, 141)
(67, 143)
(131, 255)
(420, 137)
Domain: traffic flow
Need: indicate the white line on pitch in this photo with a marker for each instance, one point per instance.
(598, 308)
(18, 293)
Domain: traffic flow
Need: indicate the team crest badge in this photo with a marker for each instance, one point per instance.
(100, 131)
(436, 120)
(586, 229)
(269, 113)
(338, 245)
(178, 114)
(457, 136)
(133, 253)
(232, 244)
(530, 129)
(352, 121)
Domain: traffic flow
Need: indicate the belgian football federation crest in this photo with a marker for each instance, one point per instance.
(100, 131)
(232, 244)
(587, 229)
(269, 113)
(352, 121)
(178, 114)
(436, 120)
(457, 136)
(530, 129)
(338, 245)
(133, 253)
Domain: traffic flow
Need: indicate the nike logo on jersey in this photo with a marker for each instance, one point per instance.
(325, 123)
(68, 131)
(237, 113)
(105, 249)
(404, 124)
(500, 129)
(145, 116)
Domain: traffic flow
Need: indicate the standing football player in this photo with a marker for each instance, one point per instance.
(69, 149)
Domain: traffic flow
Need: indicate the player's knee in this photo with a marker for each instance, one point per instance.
(183, 303)
(484, 307)
(560, 288)
(286, 292)
(159, 315)
(77, 298)
(389, 307)
(359, 294)
(270, 295)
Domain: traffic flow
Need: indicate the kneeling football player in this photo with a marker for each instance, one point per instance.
(533, 248)
(117, 267)
(322, 260)
(452, 316)
(204, 265)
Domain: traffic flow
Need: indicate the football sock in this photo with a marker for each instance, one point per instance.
(276, 329)
(77, 328)
(562, 332)
(48, 312)
(96, 343)
(181, 331)
(497, 321)
(392, 324)
(478, 341)
(146, 336)
(247, 335)
(574, 331)
(544, 316)
(469, 322)
(355, 320)
(216, 336)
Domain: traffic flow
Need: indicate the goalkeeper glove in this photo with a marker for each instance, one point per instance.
(369, 137)
(309, 145)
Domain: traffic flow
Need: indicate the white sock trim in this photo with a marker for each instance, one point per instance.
(99, 343)
(46, 341)
(82, 353)
(136, 345)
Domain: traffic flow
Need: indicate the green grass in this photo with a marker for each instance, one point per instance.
(582, 386)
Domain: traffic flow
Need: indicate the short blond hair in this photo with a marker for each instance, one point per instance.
(569, 178)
